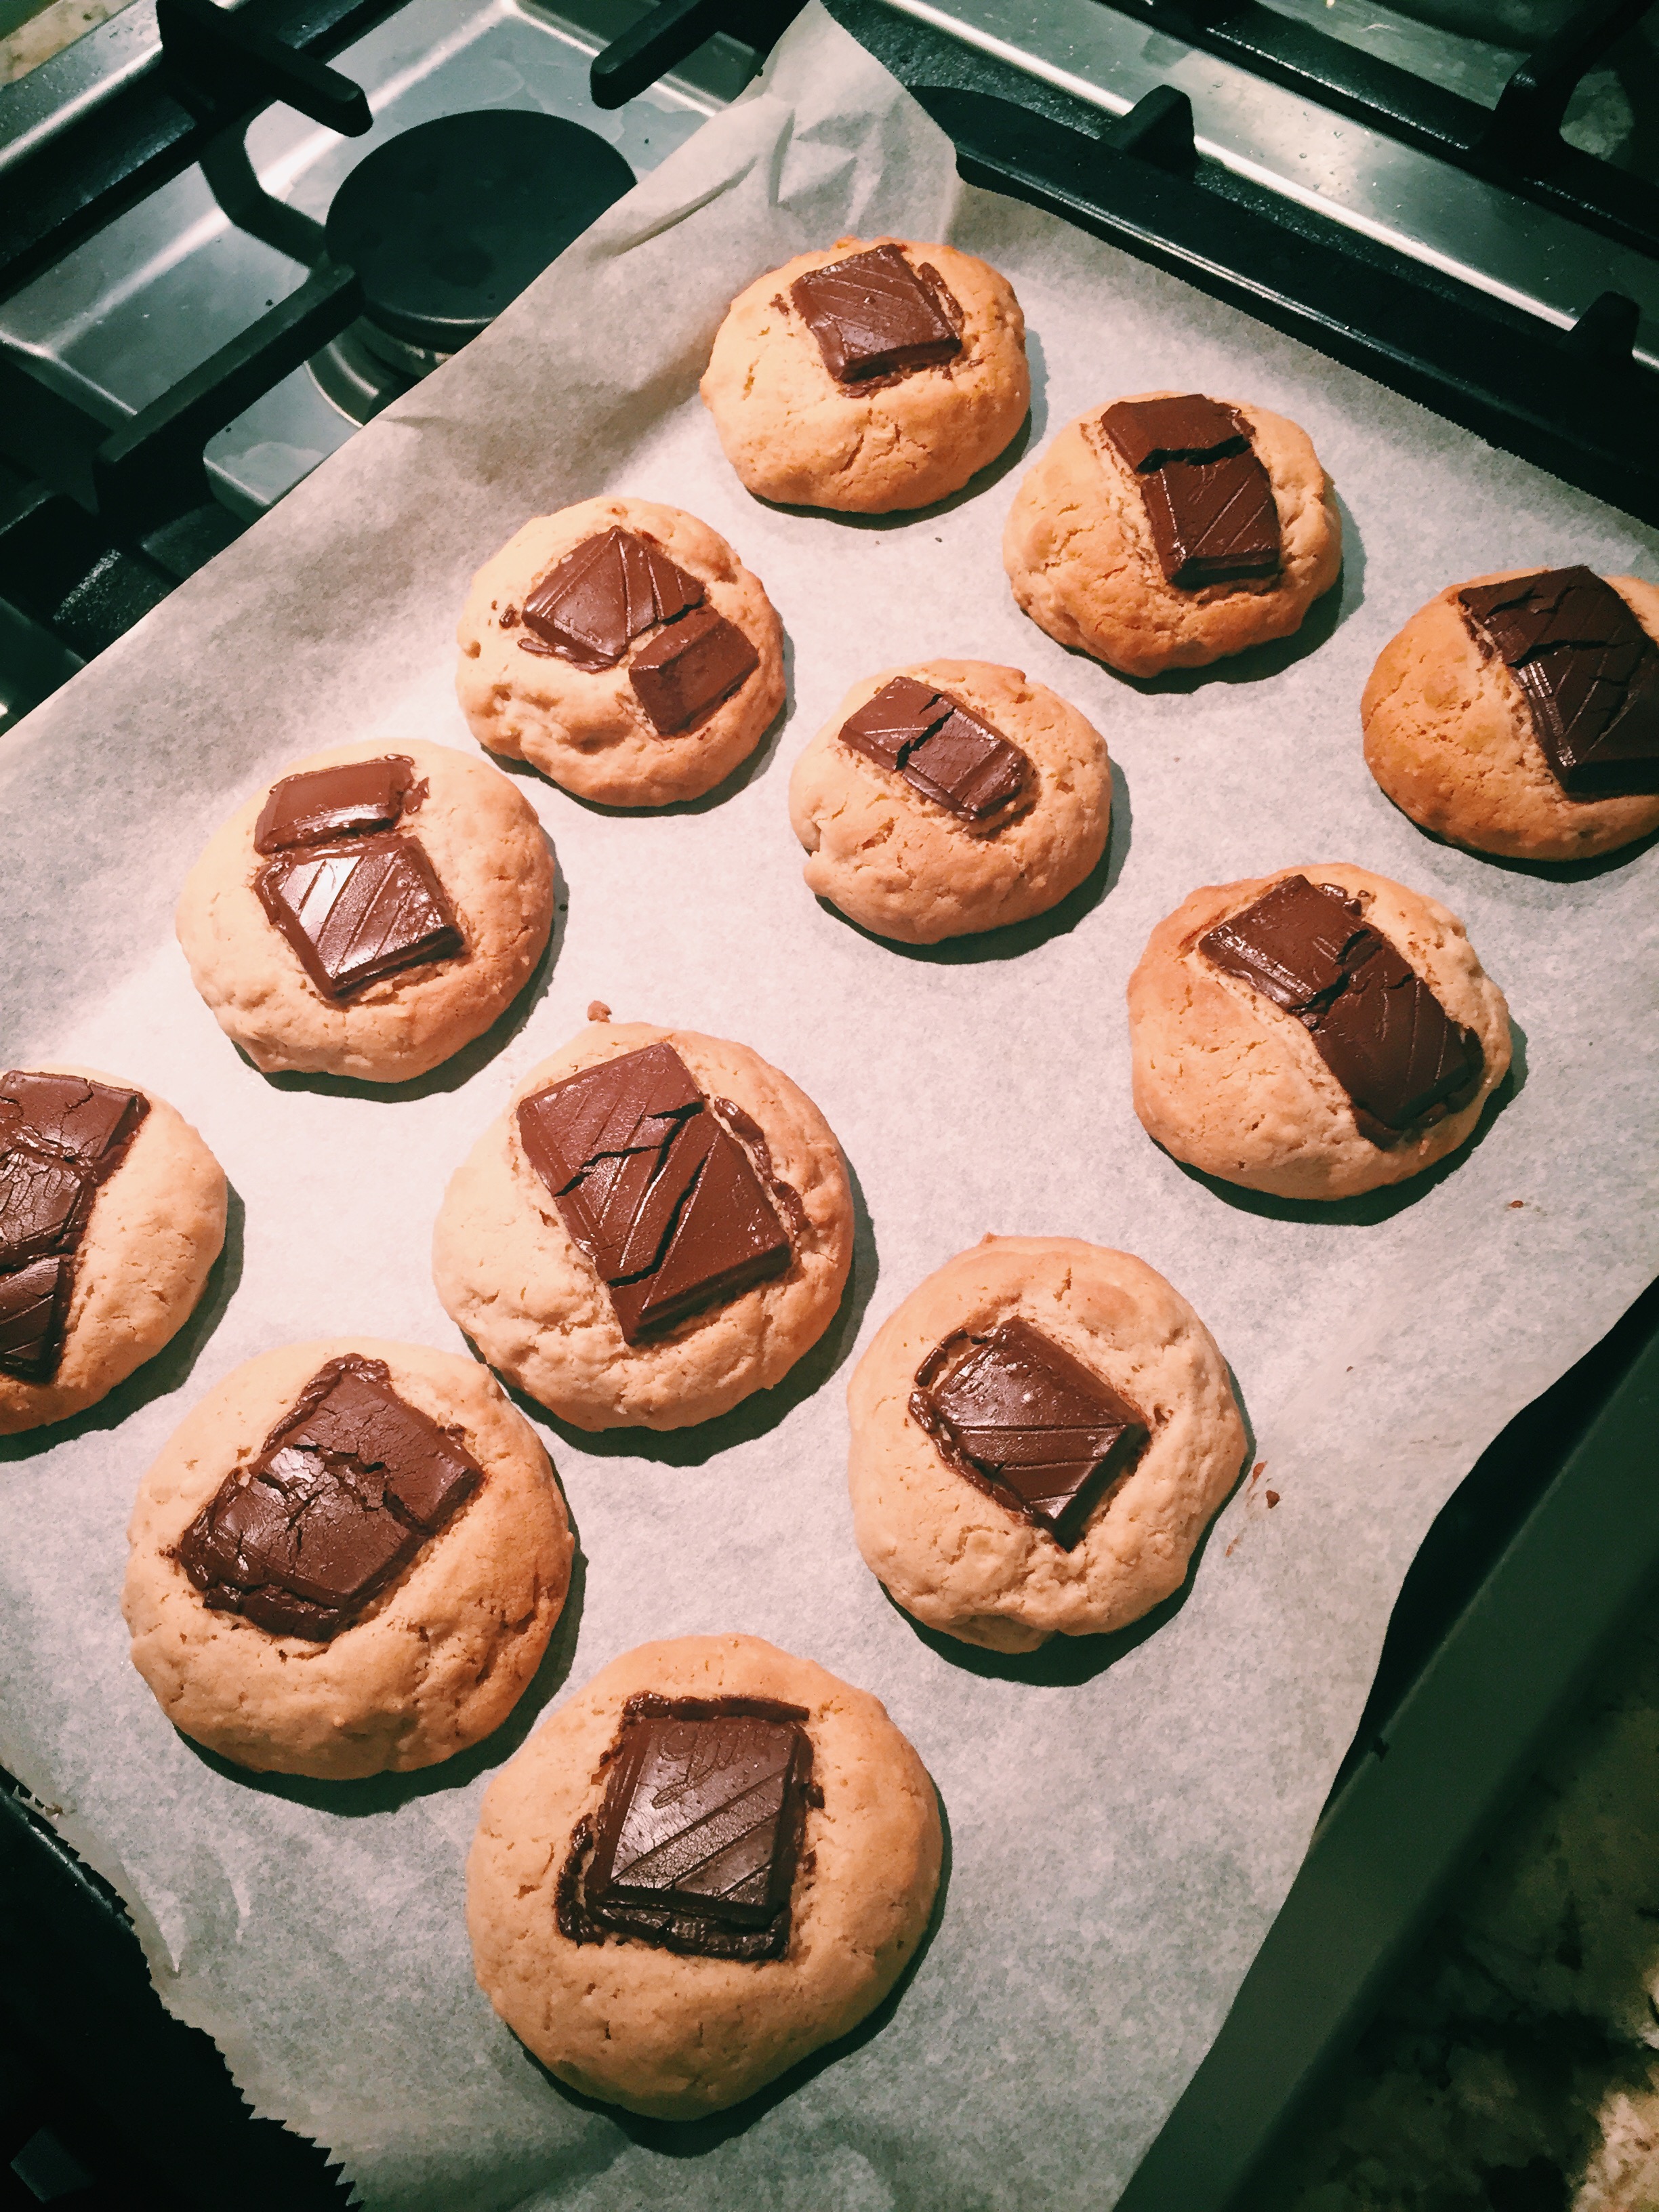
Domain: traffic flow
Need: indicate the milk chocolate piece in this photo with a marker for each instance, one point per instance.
(1027, 1423)
(356, 912)
(695, 1844)
(1375, 1023)
(1589, 671)
(875, 315)
(326, 804)
(940, 747)
(1209, 500)
(347, 1487)
(33, 1307)
(600, 598)
(660, 1196)
(690, 668)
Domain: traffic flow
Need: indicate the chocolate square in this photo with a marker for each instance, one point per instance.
(326, 804)
(877, 315)
(654, 1187)
(695, 1846)
(1027, 1423)
(1375, 1023)
(941, 749)
(1209, 500)
(91, 1122)
(354, 912)
(1590, 672)
(33, 1309)
(689, 669)
(347, 1487)
(593, 603)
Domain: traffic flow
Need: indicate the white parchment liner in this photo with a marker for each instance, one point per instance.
(1124, 1820)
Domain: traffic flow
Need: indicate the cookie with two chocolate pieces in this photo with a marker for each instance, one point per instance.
(951, 797)
(623, 649)
(871, 377)
(1518, 714)
(347, 1560)
(1169, 530)
(711, 1861)
(659, 1226)
(1041, 1433)
(1314, 1033)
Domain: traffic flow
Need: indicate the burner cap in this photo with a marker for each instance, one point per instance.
(445, 223)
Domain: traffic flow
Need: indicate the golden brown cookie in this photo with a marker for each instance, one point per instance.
(1451, 737)
(584, 720)
(439, 1655)
(1234, 1084)
(948, 1533)
(1081, 556)
(510, 1272)
(669, 2032)
(799, 432)
(1002, 838)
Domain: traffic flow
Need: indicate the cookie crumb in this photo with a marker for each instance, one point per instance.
(1514, 1202)
(1258, 1470)
(597, 1010)
(1273, 1498)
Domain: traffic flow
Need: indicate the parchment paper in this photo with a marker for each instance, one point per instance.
(1124, 1817)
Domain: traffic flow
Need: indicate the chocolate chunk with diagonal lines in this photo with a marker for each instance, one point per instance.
(941, 748)
(613, 587)
(356, 912)
(876, 314)
(1209, 500)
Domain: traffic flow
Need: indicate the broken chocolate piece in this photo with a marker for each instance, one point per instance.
(1209, 500)
(690, 668)
(33, 1307)
(1027, 1423)
(354, 912)
(347, 1487)
(695, 1844)
(1375, 1023)
(1589, 671)
(326, 804)
(590, 607)
(940, 747)
(876, 314)
(660, 1196)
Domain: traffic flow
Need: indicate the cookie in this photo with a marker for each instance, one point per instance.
(662, 1294)
(1524, 721)
(876, 375)
(1040, 1436)
(435, 1562)
(950, 797)
(670, 1982)
(624, 650)
(1169, 530)
(1314, 1033)
(370, 912)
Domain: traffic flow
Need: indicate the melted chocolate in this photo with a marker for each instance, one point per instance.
(876, 314)
(941, 749)
(61, 1137)
(346, 1489)
(326, 804)
(590, 608)
(1027, 1423)
(354, 912)
(1375, 1023)
(1589, 671)
(1209, 500)
(695, 1844)
(658, 1192)
(688, 670)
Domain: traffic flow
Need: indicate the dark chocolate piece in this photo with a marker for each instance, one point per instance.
(356, 912)
(61, 1138)
(346, 1489)
(326, 804)
(695, 1844)
(940, 747)
(1209, 500)
(1376, 1024)
(690, 668)
(661, 1197)
(590, 607)
(877, 314)
(1027, 1423)
(1589, 671)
